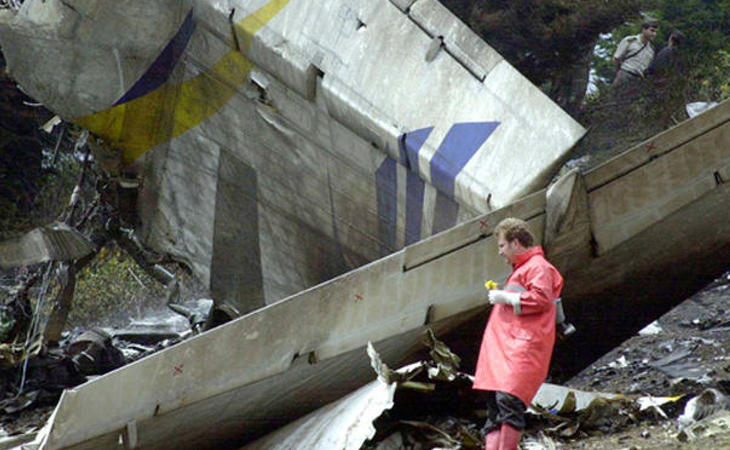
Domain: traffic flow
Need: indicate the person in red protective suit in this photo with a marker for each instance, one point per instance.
(518, 342)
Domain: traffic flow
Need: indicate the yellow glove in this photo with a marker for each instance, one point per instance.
(491, 285)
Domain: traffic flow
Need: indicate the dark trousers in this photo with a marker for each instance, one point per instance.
(627, 86)
(504, 408)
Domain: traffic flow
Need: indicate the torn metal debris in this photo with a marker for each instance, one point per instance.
(396, 411)
(35, 378)
(708, 403)
(681, 363)
(351, 421)
(53, 242)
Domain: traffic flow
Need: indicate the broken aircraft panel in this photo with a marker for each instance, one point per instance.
(53, 242)
(651, 222)
(279, 143)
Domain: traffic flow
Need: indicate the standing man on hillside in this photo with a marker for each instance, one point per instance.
(518, 342)
(633, 56)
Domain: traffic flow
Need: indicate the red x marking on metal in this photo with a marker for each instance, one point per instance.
(650, 146)
(177, 370)
(483, 224)
(358, 297)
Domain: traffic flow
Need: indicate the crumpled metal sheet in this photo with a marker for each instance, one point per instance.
(716, 423)
(561, 399)
(699, 408)
(574, 409)
(682, 363)
(54, 242)
(345, 424)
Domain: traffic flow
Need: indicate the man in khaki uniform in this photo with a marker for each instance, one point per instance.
(633, 56)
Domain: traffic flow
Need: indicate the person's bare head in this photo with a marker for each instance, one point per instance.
(513, 238)
(648, 30)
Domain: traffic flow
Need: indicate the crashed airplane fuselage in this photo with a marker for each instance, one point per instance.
(242, 379)
(278, 143)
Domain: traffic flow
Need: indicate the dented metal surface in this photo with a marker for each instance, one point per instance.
(644, 230)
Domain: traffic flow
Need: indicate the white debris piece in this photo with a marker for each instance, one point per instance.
(652, 328)
(619, 363)
(697, 108)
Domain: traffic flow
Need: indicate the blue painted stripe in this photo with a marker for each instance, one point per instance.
(445, 213)
(386, 186)
(460, 144)
(410, 145)
(414, 207)
(162, 67)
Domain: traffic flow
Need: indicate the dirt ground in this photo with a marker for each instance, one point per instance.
(683, 353)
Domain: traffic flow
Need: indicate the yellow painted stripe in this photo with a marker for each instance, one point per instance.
(145, 122)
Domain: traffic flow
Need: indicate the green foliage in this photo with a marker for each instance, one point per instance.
(551, 41)
(701, 74)
(710, 81)
(113, 288)
(56, 185)
(554, 42)
(543, 37)
(706, 25)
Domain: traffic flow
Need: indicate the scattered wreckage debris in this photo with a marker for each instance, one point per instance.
(705, 415)
(679, 356)
(39, 357)
(97, 344)
(431, 404)
(366, 413)
(21, 428)
(35, 383)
